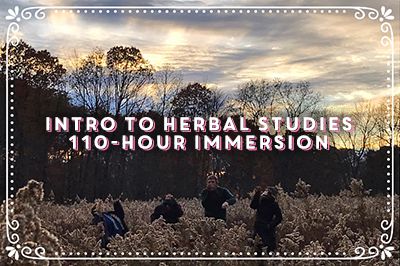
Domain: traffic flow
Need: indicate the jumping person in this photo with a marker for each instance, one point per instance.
(113, 222)
(216, 199)
(169, 209)
(268, 216)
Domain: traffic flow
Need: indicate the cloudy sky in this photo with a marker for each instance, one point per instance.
(341, 56)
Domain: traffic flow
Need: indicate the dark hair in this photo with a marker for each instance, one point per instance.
(212, 176)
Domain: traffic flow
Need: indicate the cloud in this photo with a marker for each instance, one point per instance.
(341, 56)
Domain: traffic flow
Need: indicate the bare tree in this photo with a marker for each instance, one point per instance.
(217, 105)
(90, 84)
(268, 98)
(385, 127)
(258, 98)
(111, 82)
(297, 99)
(357, 142)
(129, 72)
(166, 84)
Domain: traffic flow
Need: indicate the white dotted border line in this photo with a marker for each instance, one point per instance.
(12, 151)
(389, 124)
(196, 11)
(197, 253)
(200, 11)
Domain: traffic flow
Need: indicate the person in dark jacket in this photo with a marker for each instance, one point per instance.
(268, 216)
(113, 222)
(216, 199)
(169, 209)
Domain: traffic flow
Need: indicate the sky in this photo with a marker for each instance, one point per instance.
(340, 56)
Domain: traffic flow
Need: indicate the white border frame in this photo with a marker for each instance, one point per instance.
(39, 12)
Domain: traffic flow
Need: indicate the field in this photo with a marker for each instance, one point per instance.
(311, 224)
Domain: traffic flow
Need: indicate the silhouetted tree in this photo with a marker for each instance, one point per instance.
(218, 103)
(297, 99)
(38, 68)
(112, 82)
(167, 83)
(194, 100)
(258, 98)
(90, 84)
(129, 72)
(357, 142)
(385, 128)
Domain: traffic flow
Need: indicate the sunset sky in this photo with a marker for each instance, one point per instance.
(341, 56)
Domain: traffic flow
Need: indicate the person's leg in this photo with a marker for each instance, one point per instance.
(261, 231)
(264, 236)
(271, 240)
(104, 241)
(257, 244)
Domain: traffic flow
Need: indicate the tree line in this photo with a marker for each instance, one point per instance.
(120, 82)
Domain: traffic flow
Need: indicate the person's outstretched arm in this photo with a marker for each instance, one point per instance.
(156, 214)
(118, 210)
